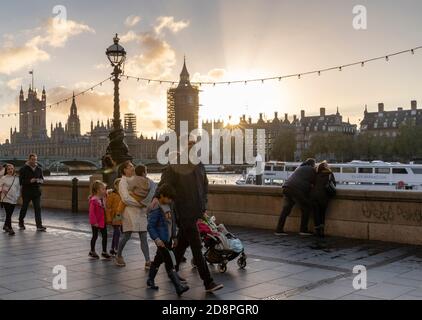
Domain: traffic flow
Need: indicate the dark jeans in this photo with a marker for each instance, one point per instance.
(189, 236)
(9, 208)
(319, 213)
(95, 231)
(292, 197)
(163, 255)
(36, 202)
(116, 237)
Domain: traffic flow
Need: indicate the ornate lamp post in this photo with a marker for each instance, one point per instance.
(117, 148)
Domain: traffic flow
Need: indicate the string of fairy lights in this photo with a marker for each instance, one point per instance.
(299, 76)
(318, 72)
(59, 102)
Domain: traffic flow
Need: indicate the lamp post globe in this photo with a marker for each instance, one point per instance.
(117, 148)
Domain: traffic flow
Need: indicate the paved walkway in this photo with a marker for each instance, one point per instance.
(278, 268)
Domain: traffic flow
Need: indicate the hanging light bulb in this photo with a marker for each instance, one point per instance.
(362, 64)
(412, 51)
(319, 73)
(387, 58)
(340, 68)
(279, 78)
(299, 76)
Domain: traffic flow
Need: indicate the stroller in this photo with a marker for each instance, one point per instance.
(221, 246)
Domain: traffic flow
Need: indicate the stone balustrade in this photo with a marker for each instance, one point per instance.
(373, 215)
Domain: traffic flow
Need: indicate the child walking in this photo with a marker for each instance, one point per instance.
(114, 209)
(97, 218)
(162, 229)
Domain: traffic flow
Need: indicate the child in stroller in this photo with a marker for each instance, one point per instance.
(221, 246)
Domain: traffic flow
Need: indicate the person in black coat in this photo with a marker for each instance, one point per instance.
(190, 203)
(320, 196)
(31, 178)
(296, 191)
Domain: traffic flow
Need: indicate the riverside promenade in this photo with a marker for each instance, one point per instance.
(291, 267)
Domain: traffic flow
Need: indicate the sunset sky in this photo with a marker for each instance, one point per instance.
(222, 40)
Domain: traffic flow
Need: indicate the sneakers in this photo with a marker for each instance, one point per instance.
(106, 256)
(21, 226)
(11, 232)
(147, 265)
(113, 252)
(280, 234)
(41, 229)
(6, 228)
(120, 262)
(213, 287)
(93, 255)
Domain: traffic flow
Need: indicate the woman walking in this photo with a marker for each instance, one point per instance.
(10, 192)
(134, 216)
(323, 190)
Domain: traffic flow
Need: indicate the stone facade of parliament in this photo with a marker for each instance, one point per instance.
(67, 142)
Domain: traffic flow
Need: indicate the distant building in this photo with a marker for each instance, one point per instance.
(183, 104)
(66, 142)
(309, 126)
(387, 123)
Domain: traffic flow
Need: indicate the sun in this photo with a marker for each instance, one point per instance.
(230, 102)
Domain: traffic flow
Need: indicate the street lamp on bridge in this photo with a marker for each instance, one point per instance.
(117, 148)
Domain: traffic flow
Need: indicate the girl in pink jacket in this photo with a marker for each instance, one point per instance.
(97, 218)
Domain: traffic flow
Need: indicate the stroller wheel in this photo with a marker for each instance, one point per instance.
(222, 267)
(241, 262)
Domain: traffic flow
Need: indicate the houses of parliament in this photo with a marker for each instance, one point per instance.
(66, 141)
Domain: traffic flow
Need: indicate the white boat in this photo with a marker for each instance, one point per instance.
(376, 173)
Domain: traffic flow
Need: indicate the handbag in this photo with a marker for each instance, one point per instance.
(330, 188)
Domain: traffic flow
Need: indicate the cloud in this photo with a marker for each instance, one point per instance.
(57, 33)
(158, 124)
(51, 33)
(132, 20)
(169, 23)
(216, 74)
(129, 37)
(15, 58)
(14, 84)
(156, 60)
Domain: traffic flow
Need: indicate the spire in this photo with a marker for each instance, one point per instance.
(366, 108)
(73, 108)
(184, 75)
(338, 113)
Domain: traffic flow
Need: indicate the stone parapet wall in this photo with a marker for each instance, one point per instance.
(373, 215)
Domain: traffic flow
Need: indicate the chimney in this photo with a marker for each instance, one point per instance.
(244, 117)
(414, 104)
(250, 120)
(380, 107)
(275, 115)
(399, 109)
(260, 116)
(286, 116)
(302, 114)
(322, 112)
(294, 118)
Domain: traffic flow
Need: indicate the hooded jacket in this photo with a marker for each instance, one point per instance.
(191, 185)
(302, 179)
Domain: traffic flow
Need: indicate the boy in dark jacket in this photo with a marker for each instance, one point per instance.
(162, 229)
(31, 178)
